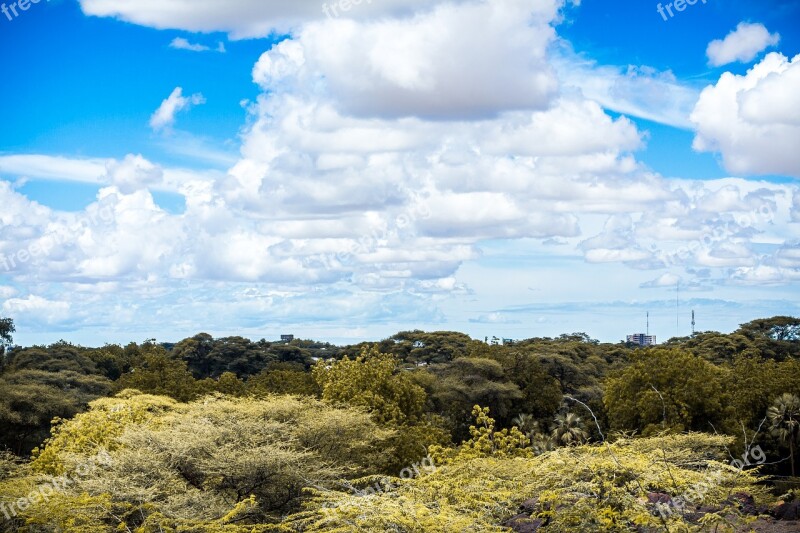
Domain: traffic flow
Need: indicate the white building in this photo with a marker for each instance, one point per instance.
(642, 339)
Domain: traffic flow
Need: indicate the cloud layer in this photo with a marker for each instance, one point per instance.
(393, 149)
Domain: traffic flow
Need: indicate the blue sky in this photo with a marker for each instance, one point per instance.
(515, 168)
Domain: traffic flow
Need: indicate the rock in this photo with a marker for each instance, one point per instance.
(529, 506)
(659, 497)
(746, 504)
(787, 511)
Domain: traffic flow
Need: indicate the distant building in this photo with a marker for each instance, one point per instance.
(287, 338)
(641, 339)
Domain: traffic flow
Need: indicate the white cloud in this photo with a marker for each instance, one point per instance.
(133, 173)
(346, 205)
(742, 44)
(406, 67)
(36, 309)
(753, 121)
(54, 168)
(180, 43)
(245, 19)
(7, 292)
(105, 172)
(164, 116)
(665, 280)
(639, 91)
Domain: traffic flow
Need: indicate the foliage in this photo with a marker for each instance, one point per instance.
(160, 374)
(569, 430)
(485, 442)
(585, 488)
(30, 399)
(776, 338)
(469, 381)
(204, 464)
(6, 329)
(284, 378)
(665, 389)
(784, 418)
(205, 445)
(207, 357)
(374, 381)
(541, 392)
(98, 429)
(429, 348)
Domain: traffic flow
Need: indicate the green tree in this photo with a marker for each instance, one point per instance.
(159, 465)
(31, 399)
(784, 418)
(58, 357)
(196, 352)
(468, 381)
(429, 348)
(752, 382)
(375, 381)
(6, 329)
(284, 378)
(569, 430)
(665, 389)
(207, 357)
(541, 392)
(776, 338)
(161, 374)
(230, 385)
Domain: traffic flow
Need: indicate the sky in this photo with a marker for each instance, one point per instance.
(345, 170)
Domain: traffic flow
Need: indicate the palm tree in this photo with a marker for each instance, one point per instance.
(542, 443)
(569, 430)
(526, 423)
(784, 417)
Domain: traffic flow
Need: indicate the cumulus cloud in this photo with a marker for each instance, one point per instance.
(452, 62)
(346, 204)
(36, 309)
(742, 44)
(244, 19)
(164, 116)
(753, 120)
(133, 173)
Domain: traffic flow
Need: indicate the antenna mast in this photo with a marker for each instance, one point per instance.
(678, 309)
(692, 321)
(648, 323)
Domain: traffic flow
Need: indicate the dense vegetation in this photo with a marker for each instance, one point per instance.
(418, 432)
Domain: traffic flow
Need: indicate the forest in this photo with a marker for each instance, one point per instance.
(419, 432)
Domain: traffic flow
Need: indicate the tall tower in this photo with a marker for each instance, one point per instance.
(692, 321)
(678, 309)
